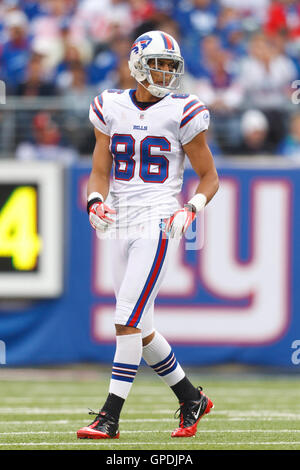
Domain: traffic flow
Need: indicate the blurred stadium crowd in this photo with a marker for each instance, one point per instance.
(241, 57)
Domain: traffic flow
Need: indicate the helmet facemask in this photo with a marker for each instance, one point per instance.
(170, 79)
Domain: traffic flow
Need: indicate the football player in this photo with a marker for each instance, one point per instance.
(145, 134)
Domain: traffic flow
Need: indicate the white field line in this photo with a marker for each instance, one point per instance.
(148, 399)
(81, 411)
(268, 431)
(135, 444)
(68, 421)
(79, 389)
(145, 374)
(160, 420)
(154, 410)
(36, 410)
(80, 421)
(158, 390)
(54, 399)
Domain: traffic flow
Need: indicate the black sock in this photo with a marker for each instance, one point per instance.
(113, 405)
(185, 390)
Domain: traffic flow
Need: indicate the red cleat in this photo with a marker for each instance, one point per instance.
(190, 414)
(104, 426)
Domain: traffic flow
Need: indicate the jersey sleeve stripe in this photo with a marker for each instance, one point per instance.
(98, 113)
(189, 105)
(99, 99)
(98, 105)
(192, 115)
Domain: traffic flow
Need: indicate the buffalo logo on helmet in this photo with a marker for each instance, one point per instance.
(144, 41)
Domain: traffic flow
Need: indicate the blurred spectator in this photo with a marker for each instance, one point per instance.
(266, 75)
(46, 143)
(78, 90)
(15, 53)
(51, 50)
(124, 79)
(2, 24)
(284, 17)
(212, 77)
(48, 24)
(253, 12)
(200, 60)
(63, 70)
(73, 54)
(254, 131)
(231, 32)
(102, 70)
(165, 6)
(101, 20)
(35, 83)
(54, 33)
(196, 19)
(234, 40)
(142, 11)
(290, 145)
(32, 8)
(222, 93)
(220, 89)
(225, 19)
(76, 99)
(169, 26)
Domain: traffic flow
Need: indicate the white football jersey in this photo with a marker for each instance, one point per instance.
(146, 145)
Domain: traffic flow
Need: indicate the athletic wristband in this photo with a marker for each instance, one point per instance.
(190, 207)
(198, 201)
(92, 198)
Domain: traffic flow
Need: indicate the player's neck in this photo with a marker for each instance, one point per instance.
(143, 95)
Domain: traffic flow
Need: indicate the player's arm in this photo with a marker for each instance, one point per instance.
(202, 162)
(100, 215)
(102, 162)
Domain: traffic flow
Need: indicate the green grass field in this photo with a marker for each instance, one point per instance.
(251, 412)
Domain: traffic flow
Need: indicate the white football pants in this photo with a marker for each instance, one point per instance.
(139, 263)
